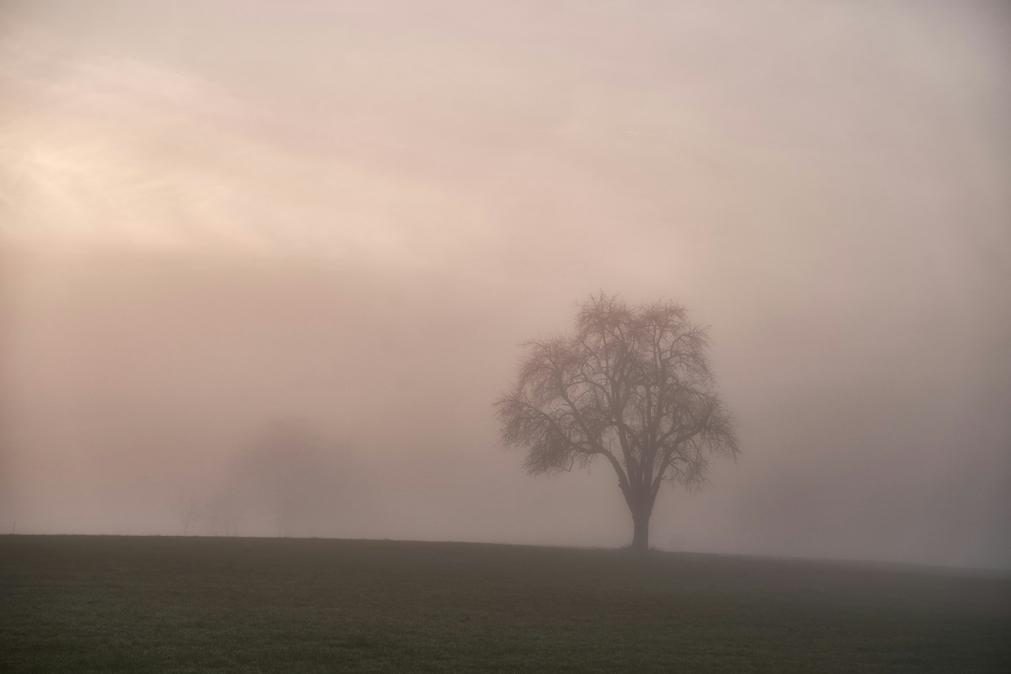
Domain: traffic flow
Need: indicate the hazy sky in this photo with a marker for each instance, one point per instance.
(348, 216)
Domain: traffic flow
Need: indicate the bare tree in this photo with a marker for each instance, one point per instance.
(634, 386)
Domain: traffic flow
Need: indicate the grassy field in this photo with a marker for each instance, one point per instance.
(200, 604)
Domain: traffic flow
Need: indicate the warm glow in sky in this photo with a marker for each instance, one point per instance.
(354, 212)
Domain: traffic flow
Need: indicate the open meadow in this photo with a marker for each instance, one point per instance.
(74, 603)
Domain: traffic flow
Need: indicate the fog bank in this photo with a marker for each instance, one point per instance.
(264, 269)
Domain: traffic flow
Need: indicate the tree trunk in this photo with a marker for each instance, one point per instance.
(640, 529)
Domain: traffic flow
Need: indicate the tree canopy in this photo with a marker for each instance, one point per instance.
(632, 385)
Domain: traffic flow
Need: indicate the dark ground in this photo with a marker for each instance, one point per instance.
(196, 604)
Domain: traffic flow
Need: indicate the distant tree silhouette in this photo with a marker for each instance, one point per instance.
(280, 482)
(282, 474)
(632, 385)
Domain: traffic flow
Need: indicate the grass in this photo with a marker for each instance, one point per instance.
(137, 604)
